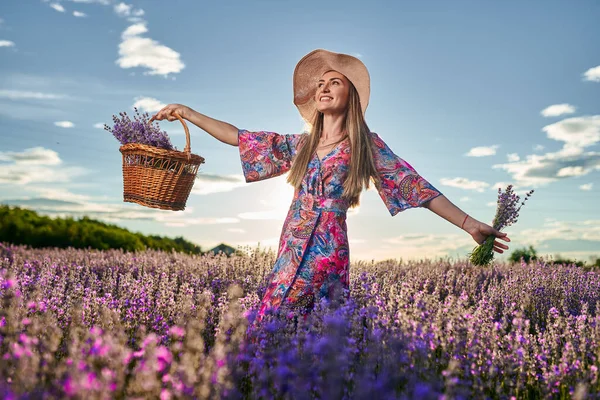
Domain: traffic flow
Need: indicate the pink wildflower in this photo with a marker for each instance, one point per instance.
(177, 331)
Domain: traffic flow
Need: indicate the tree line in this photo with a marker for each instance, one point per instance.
(529, 254)
(21, 226)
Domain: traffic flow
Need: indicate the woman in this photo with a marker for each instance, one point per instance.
(328, 167)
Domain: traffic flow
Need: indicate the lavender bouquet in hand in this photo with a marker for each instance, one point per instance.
(140, 130)
(506, 215)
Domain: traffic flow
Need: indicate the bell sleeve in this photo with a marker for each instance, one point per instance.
(266, 154)
(399, 186)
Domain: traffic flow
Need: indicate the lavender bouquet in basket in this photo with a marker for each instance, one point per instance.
(155, 174)
(140, 130)
(506, 215)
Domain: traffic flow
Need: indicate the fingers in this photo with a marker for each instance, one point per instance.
(165, 113)
(499, 247)
(498, 234)
(158, 116)
(505, 238)
(168, 113)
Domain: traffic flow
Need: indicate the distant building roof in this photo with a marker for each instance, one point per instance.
(222, 248)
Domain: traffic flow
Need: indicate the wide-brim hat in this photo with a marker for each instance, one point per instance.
(312, 67)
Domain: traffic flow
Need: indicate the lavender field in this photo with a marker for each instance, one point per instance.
(110, 324)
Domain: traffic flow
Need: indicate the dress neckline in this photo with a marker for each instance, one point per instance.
(330, 152)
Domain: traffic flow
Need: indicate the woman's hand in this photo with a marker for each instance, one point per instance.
(167, 112)
(480, 231)
(220, 130)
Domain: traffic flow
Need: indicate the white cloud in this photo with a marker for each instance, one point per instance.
(464, 199)
(557, 110)
(464, 183)
(277, 214)
(123, 10)
(571, 171)
(134, 30)
(148, 104)
(20, 175)
(538, 147)
(197, 221)
(571, 160)
(270, 243)
(535, 170)
(63, 194)
(513, 157)
(126, 11)
(482, 151)
(421, 246)
(79, 14)
(576, 132)
(58, 7)
(137, 51)
(32, 156)
(99, 125)
(211, 183)
(183, 218)
(563, 230)
(62, 202)
(64, 124)
(7, 43)
(20, 94)
(592, 74)
(236, 230)
(586, 186)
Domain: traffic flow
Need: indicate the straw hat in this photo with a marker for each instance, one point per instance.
(313, 65)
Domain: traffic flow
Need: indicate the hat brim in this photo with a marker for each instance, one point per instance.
(311, 68)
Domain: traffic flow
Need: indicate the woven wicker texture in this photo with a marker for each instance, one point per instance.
(159, 178)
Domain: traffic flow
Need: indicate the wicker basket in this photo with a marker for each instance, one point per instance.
(159, 178)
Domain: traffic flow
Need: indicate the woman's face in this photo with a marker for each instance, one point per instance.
(332, 93)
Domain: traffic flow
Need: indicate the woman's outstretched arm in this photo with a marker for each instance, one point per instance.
(478, 230)
(220, 130)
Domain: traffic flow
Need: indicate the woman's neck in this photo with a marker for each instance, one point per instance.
(333, 126)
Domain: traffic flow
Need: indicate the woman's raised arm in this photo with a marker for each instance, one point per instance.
(220, 130)
(477, 229)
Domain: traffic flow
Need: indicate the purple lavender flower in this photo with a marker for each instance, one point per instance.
(6, 252)
(507, 213)
(140, 130)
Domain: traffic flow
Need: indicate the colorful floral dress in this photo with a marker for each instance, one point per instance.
(313, 256)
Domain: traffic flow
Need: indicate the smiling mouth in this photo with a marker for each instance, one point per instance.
(326, 98)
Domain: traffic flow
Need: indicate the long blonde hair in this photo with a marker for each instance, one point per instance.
(362, 165)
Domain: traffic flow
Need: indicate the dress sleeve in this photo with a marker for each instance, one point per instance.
(399, 186)
(266, 154)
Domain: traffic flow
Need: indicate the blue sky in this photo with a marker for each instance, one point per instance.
(475, 95)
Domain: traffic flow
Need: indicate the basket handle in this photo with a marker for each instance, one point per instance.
(187, 149)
